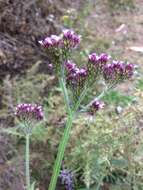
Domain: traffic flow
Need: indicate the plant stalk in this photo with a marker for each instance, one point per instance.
(65, 138)
(27, 162)
(61, 150)
(66, 135)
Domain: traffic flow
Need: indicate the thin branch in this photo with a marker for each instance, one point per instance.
(105, 91)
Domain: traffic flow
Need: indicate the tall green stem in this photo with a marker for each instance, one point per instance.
(66, 135)
(27, 155)
(61, 151)
(65, 138)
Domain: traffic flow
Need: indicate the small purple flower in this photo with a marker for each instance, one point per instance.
(55, 40)
(75, 79)
(70, 39)
(50, 42)
(93, 58)
(96, 64)
(108, 72)
(93, 66)
(70, 66)
(68, 34)
(67, 179)
(117, 71)
(82, 72)
(46, 42)
(77, 74)
(96, 105)
(129, 70)
(29, 112)
(104, 58)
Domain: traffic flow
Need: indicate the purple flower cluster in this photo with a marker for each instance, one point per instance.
(117, 71)
(101, 59)
(96, 105)
(71, 39)
(76, 78)
(51, 42)
(68, 39)
(113, 72)
(29, 112)
(96, 63)
(58, 47)
(67, 179)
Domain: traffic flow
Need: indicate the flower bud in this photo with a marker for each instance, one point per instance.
(76, 79)
(70, 39)
(96, 64)
(96, 105)
(104, 58)
(50, 42)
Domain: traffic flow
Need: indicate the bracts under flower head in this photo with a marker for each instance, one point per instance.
(29, 113)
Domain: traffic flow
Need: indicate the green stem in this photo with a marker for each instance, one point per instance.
(27, 162)
(65, 93)
(60, 155)
(66, 135)
(65, 138)
(103, 93)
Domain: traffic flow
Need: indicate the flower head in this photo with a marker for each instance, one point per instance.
(52, 41)
(104, 58)
(96, 64)
(129, 70)
(96, 105)
(75, 78)
(67, 179)
(93, 58)
(70, 39)
(117, 71)
(29, 112)
(70, 66)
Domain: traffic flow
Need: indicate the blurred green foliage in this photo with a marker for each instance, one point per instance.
(140, 84)
(117, 98)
